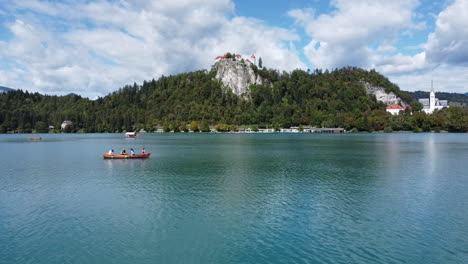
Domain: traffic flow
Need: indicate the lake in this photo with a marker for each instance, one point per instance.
(235, 198)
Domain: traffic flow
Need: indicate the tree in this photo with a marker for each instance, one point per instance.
(41, 127)
(260, 62)
(175, 126)
(183, 128)
(194, 126)
(166, 127)
(328, 98)
(204, 127)
(457, 119)
(277, 127)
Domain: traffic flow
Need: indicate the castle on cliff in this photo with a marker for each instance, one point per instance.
(252, 60)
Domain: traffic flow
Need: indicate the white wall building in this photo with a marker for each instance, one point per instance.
(66, 124)
(432, 103)
(266, 130)
(395, 109)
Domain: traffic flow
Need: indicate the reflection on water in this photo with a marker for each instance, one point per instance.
(117, 164)
(204, 198)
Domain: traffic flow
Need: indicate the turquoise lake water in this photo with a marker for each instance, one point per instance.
(235, 198)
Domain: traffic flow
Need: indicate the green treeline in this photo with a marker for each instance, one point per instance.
(176, 103)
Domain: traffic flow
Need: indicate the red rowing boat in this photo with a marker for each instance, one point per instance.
(35, 138)
(126, 156)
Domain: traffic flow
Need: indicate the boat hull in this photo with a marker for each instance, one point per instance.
(126, 156)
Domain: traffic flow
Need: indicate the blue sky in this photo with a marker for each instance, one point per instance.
(94, 47)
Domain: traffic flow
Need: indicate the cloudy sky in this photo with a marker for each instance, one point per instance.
(94, 47)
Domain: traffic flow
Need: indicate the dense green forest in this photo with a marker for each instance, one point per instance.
(319, 98)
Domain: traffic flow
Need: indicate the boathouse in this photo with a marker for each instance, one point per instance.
(333, 130)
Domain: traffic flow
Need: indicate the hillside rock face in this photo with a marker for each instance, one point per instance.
(236, 75)
(382, 96)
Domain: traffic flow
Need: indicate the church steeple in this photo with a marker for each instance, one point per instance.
(432, 97)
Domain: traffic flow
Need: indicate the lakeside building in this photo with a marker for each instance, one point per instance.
(331, 130)
(324, 130)
(245, 130)
(66, 124)
(313, 130)
(432, 103)
(289, 130)
(395, 109)
(266, 130)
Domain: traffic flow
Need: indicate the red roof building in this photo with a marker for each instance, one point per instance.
(395, 109)
(395, 106)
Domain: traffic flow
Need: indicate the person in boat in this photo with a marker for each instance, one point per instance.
(132, 152)
(123, 152)
(143, 151)
(111, 152)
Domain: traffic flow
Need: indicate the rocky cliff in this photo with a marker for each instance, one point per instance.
(236, 75)
(382, 96)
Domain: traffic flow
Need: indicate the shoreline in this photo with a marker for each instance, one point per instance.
(230, 132)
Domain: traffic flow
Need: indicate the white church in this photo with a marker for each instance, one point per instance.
(432, 103)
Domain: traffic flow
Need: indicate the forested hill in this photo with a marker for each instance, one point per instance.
(329, 99)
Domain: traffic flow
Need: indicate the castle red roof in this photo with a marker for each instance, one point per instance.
(253, 56)
(395, 106)
(238, 55)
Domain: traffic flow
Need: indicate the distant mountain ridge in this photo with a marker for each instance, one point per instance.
(4, 89)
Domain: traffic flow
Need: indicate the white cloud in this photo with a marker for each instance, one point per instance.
(448, 44)
(444, 60)
(363, 33)
(345, 36)
(399, 64)
(95, 48)
(446, 79)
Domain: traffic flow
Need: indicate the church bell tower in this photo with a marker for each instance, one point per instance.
(432, 97)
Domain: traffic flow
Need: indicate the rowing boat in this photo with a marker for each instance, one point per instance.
(131, 135)
(126, 156)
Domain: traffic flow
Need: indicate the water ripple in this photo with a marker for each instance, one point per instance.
(206, 198)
